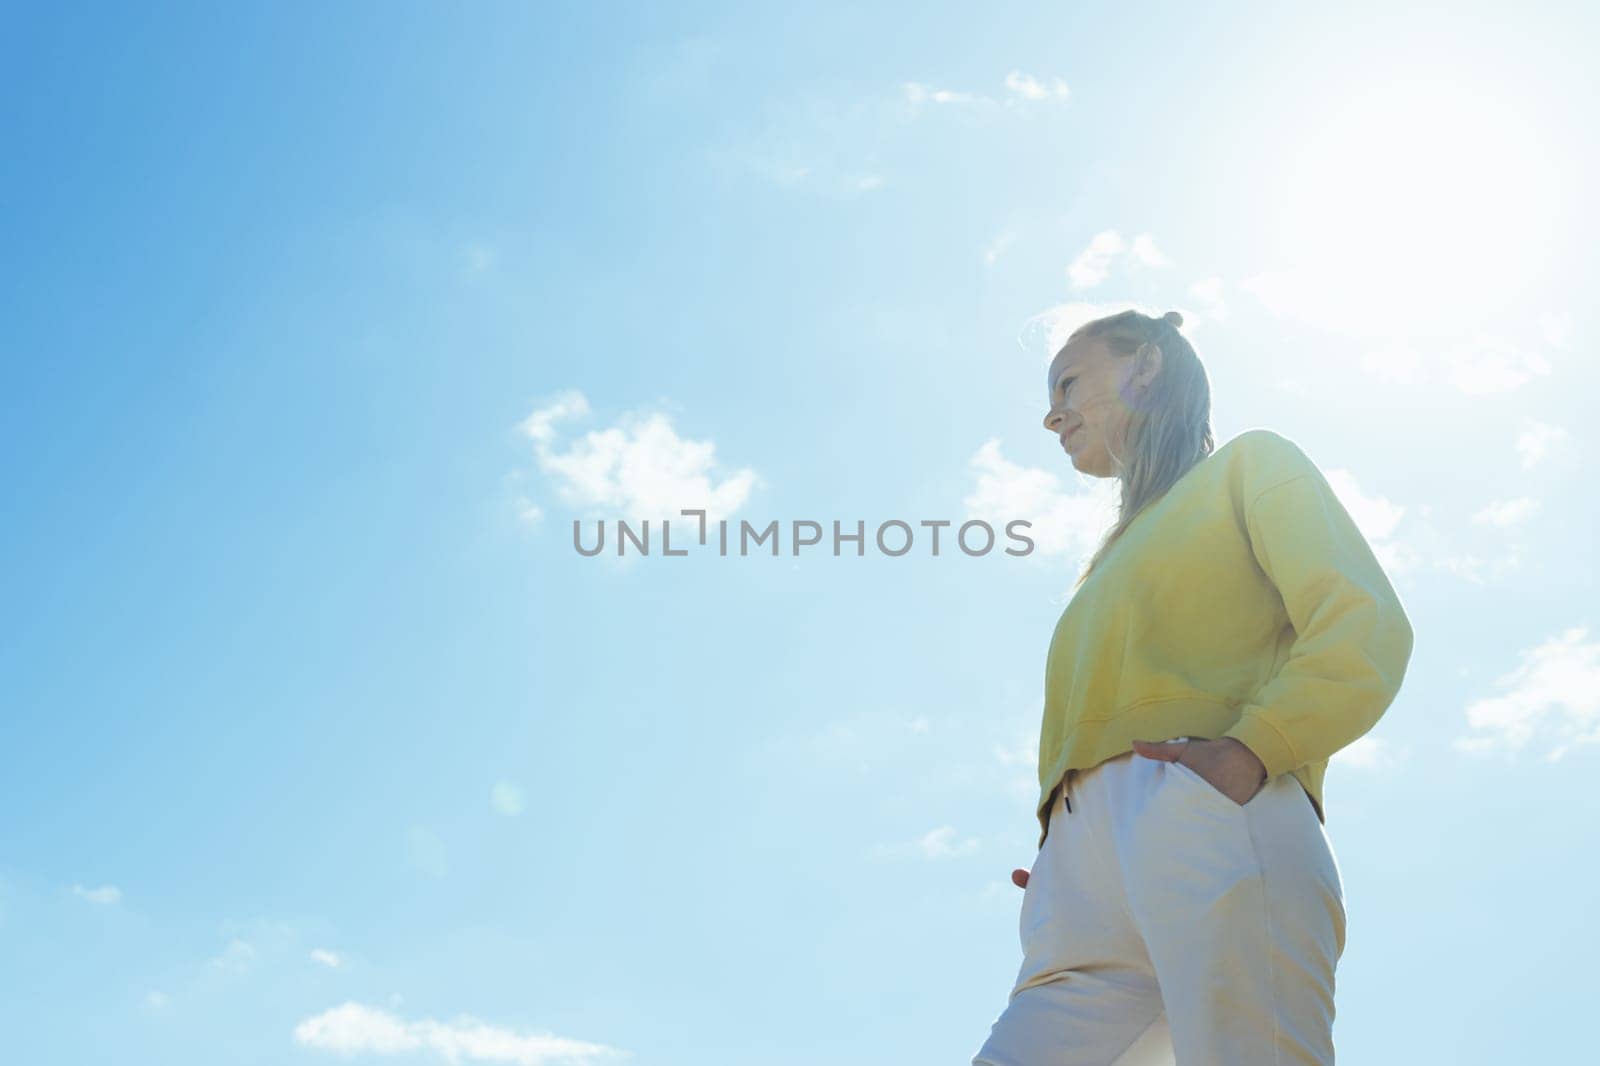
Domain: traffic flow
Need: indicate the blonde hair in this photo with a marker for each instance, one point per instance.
(1169, 426)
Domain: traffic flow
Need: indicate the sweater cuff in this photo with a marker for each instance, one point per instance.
(1266, 743)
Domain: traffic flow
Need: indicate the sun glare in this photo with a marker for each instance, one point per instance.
(1417, 198)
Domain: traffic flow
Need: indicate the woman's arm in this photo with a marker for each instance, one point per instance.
(1352, 637)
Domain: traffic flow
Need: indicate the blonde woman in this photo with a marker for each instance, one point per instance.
(1231, 632)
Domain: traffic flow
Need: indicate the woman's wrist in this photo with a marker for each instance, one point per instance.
(1261, 767)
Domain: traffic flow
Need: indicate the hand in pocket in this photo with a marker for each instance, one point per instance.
(1225, 764)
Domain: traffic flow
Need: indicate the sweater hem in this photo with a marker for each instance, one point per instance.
(1095, 740)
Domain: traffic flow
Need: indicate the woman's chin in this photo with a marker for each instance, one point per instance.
(1085, 464)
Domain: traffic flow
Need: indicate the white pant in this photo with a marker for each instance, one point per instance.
(1164, 923)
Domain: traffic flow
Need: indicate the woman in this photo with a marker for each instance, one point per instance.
(1231, 632)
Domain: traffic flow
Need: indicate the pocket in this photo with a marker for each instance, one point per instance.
(1195, 781)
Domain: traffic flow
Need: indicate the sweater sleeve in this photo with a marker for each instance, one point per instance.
(1352, 637)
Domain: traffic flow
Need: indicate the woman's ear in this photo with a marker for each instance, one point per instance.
(1148, 364)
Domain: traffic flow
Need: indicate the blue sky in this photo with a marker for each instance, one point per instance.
(320, 325)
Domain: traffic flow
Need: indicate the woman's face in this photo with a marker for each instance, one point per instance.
(1087, 384)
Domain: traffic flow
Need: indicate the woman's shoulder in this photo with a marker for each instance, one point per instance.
(1261, 458)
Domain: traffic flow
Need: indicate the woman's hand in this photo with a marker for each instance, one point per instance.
(1230, 767)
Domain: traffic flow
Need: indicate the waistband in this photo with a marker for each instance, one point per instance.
(1064, 786)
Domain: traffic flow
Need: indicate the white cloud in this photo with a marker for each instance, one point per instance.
(638, 469)
(991, 254)
(506, 798)
(1399, 550)
(540, 425)
(1417, 543)
(1476, 569)
(1485, 365)
(1376, 516)
(1029, 88)
(1287, 294)
(523, 505)
(155, 1000)
(1472, 359)
(1093, 264)
(1144, 252)
(1535, 443)
(354, 1028)
(1063, 523)
(1406, 540)
(826, 144)
(1550, 699)
(1370, 753)
(935, 845)
(1207, 292)
(104, 895)
(1021, 760)
(998, 893)
(1021, 89)
(237, 958)
(327, 958)
(941, 843)
(918, 93)
(1506, 513)
(1556, 328)
(1368, 309)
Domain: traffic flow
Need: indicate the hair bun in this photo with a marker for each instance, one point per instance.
(1174, 317)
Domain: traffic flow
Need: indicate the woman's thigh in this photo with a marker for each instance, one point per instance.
(1241, 908)
(1085, 994)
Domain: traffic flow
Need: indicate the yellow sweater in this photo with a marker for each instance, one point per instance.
(1243, 602)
